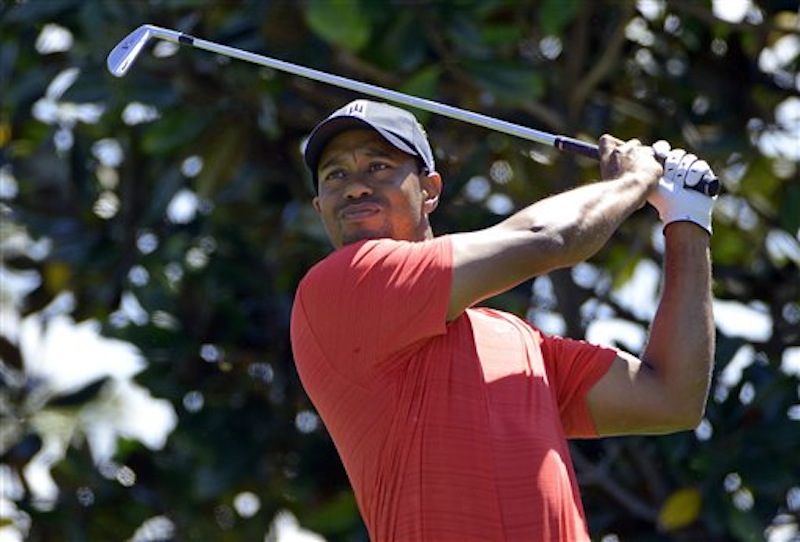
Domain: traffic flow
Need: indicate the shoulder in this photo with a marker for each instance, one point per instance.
(374, 256)
(371, 299)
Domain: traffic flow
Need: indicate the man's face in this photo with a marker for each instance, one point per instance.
(369, 189)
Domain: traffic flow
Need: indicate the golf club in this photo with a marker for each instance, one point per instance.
(125, 53)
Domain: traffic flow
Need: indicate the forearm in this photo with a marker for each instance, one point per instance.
(568, 228)
(680, 349)
(559, 231)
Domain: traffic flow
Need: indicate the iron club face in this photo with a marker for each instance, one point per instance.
(127, 51)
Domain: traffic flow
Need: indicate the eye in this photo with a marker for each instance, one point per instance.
(378, 166)
(335, 174)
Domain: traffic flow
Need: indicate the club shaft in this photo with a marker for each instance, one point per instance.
(560, 142)
(124, 54)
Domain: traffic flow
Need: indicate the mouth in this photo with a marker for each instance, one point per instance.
(357, 212)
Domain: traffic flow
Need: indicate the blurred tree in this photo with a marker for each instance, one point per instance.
(172, 209)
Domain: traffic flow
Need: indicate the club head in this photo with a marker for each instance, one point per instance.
(124, 54)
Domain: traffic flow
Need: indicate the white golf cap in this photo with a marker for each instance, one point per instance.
(397, 126)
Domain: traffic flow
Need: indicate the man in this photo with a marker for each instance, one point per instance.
(452, 421)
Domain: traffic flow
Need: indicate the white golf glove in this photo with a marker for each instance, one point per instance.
(688, 189)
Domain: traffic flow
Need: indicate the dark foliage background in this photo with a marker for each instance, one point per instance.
(172, 209)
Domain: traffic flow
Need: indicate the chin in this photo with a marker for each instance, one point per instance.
(355, 237)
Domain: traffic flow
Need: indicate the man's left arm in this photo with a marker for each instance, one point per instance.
(666, 389)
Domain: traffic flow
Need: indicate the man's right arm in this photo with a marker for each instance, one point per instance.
(559, 231)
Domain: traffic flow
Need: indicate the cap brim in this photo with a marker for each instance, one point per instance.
(329, 129)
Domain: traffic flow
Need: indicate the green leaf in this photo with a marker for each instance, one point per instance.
(336, 515)
(174, 131)
(501, 35)
(339, 22)
(26, 12)
(466, 36)
(89, 87)
(790, 209)
(745, 527)
(555, 14)
(403, 45)
(423, 83)
(509, 80)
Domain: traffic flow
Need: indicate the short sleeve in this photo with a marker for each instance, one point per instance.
(573, 367)
(368, 301)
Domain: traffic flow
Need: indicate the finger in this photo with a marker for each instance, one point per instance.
(696, 172)
(672, 161)
(610, 139)
(607, 144)
(683, 167)
(710, 185)
(661, 148)
(631, 144)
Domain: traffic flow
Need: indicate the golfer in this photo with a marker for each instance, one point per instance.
(452, 420)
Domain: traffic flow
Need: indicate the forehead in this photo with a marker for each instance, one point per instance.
(363, 139)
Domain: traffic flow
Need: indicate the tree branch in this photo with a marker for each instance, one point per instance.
(599, 475)
(606, 63)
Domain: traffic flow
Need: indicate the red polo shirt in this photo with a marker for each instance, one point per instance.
(448, 431)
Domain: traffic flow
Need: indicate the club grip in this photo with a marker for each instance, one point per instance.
(710, 186)
(577, 146)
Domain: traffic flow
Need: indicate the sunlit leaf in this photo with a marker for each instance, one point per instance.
(57, 276)
(680, 509)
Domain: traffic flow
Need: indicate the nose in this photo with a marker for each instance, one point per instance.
(357, 188)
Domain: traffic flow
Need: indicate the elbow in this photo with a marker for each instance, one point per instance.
(684, 417)
(673, 425)
(690, 420)
(680, 392)
(677, 410)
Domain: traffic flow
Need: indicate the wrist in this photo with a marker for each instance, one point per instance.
(686, 244)
(687, 230)
(693, 210)
(633, 186)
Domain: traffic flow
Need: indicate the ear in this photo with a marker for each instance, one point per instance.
(315, 203)
(431, 190)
